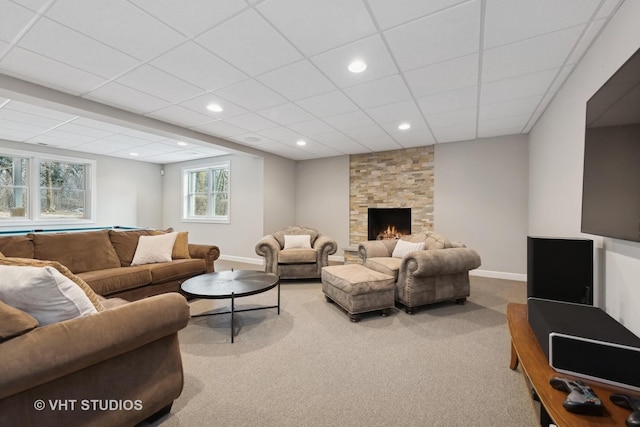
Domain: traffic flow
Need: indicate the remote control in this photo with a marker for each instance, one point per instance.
(581, 399)
(629, 402)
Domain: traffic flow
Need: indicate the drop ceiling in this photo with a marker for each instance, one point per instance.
(454, 70)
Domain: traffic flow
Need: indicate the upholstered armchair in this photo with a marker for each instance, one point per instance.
(296, 252)
(427, 267)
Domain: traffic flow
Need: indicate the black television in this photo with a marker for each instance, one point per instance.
(611, 181)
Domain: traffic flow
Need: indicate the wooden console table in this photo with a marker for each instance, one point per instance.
(526, 351)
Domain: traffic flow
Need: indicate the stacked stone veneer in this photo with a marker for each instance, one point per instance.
(391, 179)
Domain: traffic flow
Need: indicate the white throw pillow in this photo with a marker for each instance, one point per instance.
(403, 247)
(44, 293)
(152, 249)
(297, 241)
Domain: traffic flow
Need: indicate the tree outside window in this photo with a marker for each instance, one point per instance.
(14, 189)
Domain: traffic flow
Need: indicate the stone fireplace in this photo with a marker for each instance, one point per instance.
(388, 223)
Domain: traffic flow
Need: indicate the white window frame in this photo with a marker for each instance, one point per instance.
(34, 219)
(212, 219)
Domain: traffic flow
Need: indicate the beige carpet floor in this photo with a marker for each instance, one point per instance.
(446, 365)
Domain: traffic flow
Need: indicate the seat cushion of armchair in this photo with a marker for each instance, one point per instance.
(297, 256)
(386, 265)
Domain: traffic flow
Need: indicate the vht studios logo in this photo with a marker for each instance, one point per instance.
(88, 405)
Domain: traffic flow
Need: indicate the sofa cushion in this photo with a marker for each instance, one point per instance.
(16, 246)
(386, 265)
(176, 270)
(14, 322)
(180, 247)
(153, 249)
(125, 243)
(297, 241)
(79, 252)
(297, 256)
(44, 293)
(112, 280)
(26, 262)
(403, 247)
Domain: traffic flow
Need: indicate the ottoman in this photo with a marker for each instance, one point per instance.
(358, 289)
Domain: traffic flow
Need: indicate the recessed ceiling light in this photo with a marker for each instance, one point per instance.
(182, 143)
(357, 66)
(216, 108)
(134, 154)
(404, 126)
(301, 143)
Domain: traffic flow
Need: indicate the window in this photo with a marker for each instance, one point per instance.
(42, 188)
(206, 193)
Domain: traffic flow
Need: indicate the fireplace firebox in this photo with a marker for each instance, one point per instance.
(388, 223)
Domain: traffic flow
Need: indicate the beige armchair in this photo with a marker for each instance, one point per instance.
(437, 272)
(290, 254)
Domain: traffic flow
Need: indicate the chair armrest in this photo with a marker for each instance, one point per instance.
(268, 247)
(59, 349)
(325, 245)
(438, 262)
(376, 248)
(209, 253)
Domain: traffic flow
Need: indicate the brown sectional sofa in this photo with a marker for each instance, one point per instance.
(103, 260)
(118, 366)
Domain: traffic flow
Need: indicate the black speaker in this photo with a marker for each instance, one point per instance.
(585, 341)
(560, 269)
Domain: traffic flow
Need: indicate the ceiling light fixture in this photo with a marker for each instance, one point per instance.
(357, 66)
(182, 143)
(301, 143)
(134, 154)
(404, 126)
(216, 108)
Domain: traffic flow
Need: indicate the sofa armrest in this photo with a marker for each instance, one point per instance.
(376, 248)
(325, 245)
(209, 253)
(59, 349)
(438, 262)
(268, 247)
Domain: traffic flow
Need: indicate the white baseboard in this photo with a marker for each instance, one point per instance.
(499, 275)
(260, 261)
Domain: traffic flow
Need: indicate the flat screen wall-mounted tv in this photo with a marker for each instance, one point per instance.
(611, 183)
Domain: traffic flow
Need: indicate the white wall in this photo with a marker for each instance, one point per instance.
(322, 197)
(556, 152)
(129, 193)
(237, 239)
(480, 199)
(279, 182)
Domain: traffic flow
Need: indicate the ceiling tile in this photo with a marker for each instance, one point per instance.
(53, 140)
(528, 56)
(387, 90)
(502, 126)
(445, 76)
(196, 65)
(180, 116)
(285, 114)
(392, 13)
(517, 87)
(127, 98)
(14, 134)
(373, 138)
(341, 142)
(39, 69)
(96, 124)
(33, 110)
(104, 146)
(13, 19)
(251, 122)
(193, 20)
(282, 134)
(117, 23)
(296, 81)
(83, 130)
(417, 136)
(371, 50)
(251, 95)
(155, 82)
(248, 42)
(220, 128)
(35, 5)
(328, 104)
(354, 119)
(200, 103)
(315, 26)
(254, 140)
(454, 125)
(508, 21)
(55, 41)
(517, 107)
(449, 101)
(312, 128)
(9, 122)
(392, 112)
(450, 34)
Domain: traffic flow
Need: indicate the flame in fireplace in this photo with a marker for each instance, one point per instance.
(391, 232)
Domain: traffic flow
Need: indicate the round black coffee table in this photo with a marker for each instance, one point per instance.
(231, 284)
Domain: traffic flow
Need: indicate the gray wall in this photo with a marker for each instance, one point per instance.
(480, 199)
(556, 153)
(322, 197)
(129, 193)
